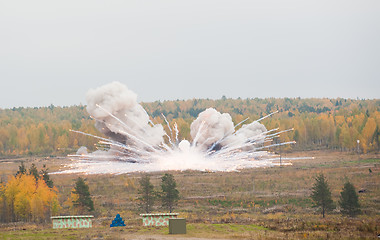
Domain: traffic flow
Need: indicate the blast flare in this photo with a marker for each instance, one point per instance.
(135, 143)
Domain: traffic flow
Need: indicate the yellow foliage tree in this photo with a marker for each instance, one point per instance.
(10, 191)
(18, 191)
(367, 133)
(28, 199)
(44, 202)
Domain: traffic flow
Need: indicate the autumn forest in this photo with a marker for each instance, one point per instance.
(318, 123)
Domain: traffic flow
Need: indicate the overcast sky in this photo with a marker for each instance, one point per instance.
(52, 52)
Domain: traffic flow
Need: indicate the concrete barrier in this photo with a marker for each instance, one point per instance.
(157, 219)
(72, 221)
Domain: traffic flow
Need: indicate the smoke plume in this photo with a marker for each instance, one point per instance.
(134, 143)
(120, 117)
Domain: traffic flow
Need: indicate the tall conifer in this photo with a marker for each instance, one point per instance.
(170, 194)
(349, 200)
(84, 201)
(321, 194)
(147, 194)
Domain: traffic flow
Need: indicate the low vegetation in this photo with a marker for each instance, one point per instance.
(261, 203)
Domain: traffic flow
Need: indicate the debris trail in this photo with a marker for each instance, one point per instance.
(135, 143)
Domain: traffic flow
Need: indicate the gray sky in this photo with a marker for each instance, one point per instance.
(52, 52)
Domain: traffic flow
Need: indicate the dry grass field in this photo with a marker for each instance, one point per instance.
(259, 203)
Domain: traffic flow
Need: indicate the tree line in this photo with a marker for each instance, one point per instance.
(318, 123)
(30, 196)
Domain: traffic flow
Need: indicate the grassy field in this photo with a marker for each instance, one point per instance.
(261, 203)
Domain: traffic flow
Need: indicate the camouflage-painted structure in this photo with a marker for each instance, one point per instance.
(157, 219)
(72, 221)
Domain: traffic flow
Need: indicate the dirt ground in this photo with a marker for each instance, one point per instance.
(258, 203)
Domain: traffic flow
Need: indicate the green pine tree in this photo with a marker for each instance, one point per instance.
(349, 200)
(321, 194)
(84, 202)
(147, 194)
(21, 169)
(45, 177)
(34, 171)
(170, 194)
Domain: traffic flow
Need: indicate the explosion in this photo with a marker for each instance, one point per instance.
(135, 143)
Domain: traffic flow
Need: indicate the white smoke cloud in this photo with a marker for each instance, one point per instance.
(247, 133)
(130, 117)
(82, 151)
(210, 126)
(137, 144)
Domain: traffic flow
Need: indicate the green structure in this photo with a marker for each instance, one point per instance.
(177, 226)
(157, 219)
(72, 221)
